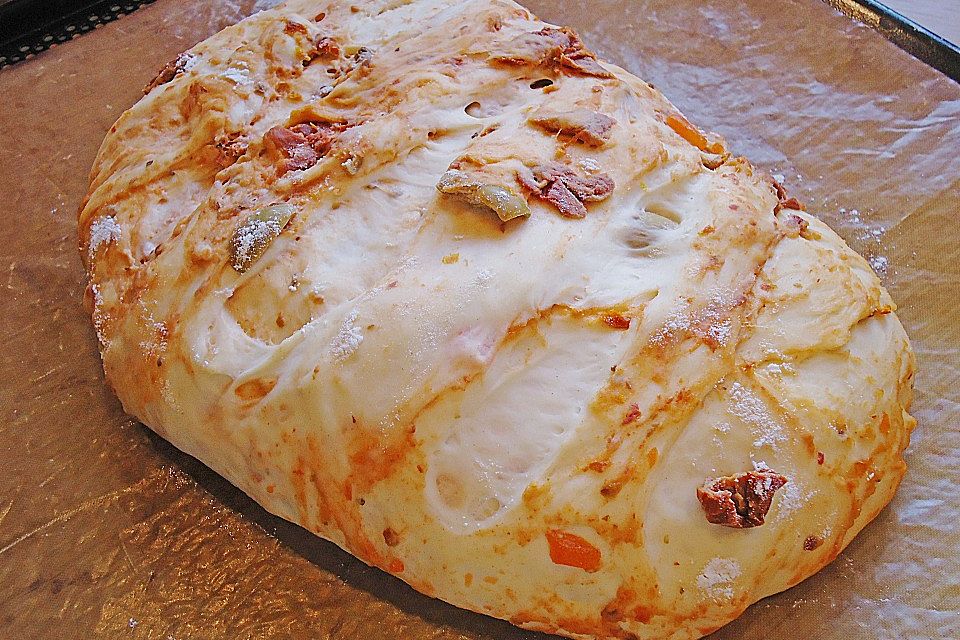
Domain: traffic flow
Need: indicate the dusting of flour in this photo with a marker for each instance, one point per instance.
(750, 408)
(717, 578)
(103, 230)
(348, 338)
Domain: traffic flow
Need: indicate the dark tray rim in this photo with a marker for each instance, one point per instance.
(918, 41)
(29, 27)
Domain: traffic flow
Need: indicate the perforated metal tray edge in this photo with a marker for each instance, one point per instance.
(29, 27)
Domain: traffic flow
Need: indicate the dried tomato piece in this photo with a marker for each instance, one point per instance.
(293, 28)
(591, 188)
(571, 550)
(812, 543)
(391, 537)
(299, 153)
(790, 203)
(171, 70)
(553, 47)
(230, 148)
(585, 65)
(563, 199)
(302, 145)
(324, 47)
(740, 501)
(564, 188)
(564, 38)
(632, 414)
(783, 202)
(588, 188)
(573, 55)
(796, 226)
(616, 321)
(583, 125)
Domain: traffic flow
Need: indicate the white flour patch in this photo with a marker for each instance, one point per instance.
(879, 264)
(238, 76)
(780, 369)
(156, 343)
(589, 164)
(190, 60)
(717, 578)
(789, 499)
(166, 392)
(348, 338)
(720, 332)
(252, 239)
(677, 323)
(749, 407)
(103, 230)
(100, 318)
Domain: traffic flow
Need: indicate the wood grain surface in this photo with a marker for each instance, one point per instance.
(940, 16)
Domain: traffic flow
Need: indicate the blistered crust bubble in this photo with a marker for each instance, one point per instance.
(430, 280)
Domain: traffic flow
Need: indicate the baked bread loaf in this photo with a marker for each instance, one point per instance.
(430, 280)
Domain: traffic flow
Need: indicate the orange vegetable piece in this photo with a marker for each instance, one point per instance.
(616, 321)
(571, 550)
(691, 134)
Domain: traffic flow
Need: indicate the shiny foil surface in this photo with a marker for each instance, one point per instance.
(106, 531)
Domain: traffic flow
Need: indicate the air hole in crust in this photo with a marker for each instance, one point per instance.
(542, 83)
(639, 239)
(451, 491)
(474, 110)
(488, 508)
(664, 211)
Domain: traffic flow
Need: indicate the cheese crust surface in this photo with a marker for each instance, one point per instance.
(432, 281)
